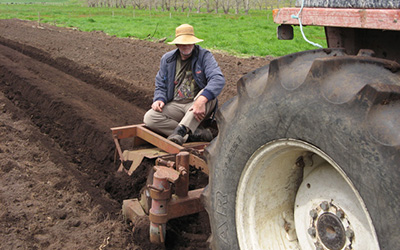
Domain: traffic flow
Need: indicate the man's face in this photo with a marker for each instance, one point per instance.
(185, 49)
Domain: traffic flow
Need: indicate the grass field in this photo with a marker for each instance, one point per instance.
(244, 35)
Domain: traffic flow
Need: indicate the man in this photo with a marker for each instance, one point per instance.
(187, 85)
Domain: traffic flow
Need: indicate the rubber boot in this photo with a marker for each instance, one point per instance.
(178, 135)
(201, 134)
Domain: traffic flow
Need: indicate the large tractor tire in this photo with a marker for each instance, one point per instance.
(308, 156)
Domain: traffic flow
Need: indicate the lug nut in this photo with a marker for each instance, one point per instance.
(340, 213)
(349, 233)
(324, 205)
(312, 232)
(313, 213)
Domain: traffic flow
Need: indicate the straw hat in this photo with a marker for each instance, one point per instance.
(184, 34)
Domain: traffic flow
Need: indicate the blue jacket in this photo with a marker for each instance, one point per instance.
(206, 73)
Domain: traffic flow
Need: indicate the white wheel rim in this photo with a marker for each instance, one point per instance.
(275, 197)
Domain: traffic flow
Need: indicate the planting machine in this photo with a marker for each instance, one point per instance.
(308, 153)
(172, 167)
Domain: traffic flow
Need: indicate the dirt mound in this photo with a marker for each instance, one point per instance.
(61, 91)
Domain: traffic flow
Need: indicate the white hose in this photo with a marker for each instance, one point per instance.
(301, 26)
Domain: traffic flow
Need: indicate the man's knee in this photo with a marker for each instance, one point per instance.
(148, 118)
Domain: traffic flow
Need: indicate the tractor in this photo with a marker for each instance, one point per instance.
(307, 154)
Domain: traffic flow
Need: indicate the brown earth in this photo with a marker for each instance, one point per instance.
(61, 91)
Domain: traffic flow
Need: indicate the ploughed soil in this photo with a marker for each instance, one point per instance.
(61, 92)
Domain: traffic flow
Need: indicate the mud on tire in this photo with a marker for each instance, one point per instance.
(345, 109)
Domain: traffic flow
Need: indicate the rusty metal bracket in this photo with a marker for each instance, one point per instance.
(182, 206)
(144, 135)
(198, 163)
(166, 173)
(162, 162)
(179, 207)
(159, 194)
(182, 184)
(147, 135)
(131, 209)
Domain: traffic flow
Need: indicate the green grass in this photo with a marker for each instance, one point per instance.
(244, 35)
(33, 1)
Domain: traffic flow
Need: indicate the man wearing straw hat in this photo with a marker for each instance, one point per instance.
(187, 85)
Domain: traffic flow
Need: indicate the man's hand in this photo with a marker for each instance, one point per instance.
(199, 108)
(157, 106)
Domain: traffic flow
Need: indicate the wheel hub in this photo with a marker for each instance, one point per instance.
(330, 228)
(331, 231)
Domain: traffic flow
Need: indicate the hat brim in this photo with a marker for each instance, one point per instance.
(186, 39)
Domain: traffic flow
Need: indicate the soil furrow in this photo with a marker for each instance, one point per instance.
(139, 97)
(76, 115)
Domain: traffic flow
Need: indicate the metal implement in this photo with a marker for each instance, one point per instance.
(172, 168)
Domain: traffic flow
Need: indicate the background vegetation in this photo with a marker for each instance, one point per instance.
(250, 32)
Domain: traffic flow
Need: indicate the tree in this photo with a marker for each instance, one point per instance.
(246, 6)
(226, 5)
(208, 6)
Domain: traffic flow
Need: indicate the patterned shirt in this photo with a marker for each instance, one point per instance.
(185, 86)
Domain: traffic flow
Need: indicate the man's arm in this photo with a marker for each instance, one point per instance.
(160, 92)
(215, 80)
(199, 107)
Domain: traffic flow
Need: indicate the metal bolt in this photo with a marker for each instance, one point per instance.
(300, 162)
(324, 205)
(340, 213)
(312, 232)
(182, 171)
(349, 233)
(313, 213)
